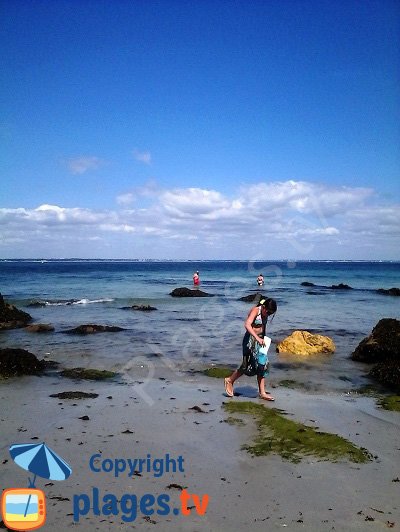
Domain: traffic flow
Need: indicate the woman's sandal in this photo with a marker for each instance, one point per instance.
(228, 387)
(266, 397)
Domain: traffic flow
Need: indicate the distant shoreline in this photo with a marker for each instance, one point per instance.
(259, 261)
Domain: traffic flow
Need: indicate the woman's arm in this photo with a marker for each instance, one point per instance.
(248, 324)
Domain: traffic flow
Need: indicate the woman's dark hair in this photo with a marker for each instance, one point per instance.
(269, 304)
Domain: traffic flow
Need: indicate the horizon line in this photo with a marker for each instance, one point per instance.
(290, 260)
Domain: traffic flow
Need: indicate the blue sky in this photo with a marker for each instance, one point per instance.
(200, 129)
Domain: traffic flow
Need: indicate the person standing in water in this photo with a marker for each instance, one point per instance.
(196, 279)
(255, 325)
(260, 280)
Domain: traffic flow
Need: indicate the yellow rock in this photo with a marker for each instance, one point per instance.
(305, 343)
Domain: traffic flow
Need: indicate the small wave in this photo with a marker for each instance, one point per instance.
(64, 302)
(89, 301)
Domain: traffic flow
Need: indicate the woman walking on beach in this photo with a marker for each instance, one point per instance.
(255, 325)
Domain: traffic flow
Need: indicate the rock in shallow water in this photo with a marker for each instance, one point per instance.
(389, 291)
(382, 347)
(15, 362)
(187, 292)
(305, 343)
(253, 298)
(382, 344)
(90, 329)
(40, 328)
(11, 317)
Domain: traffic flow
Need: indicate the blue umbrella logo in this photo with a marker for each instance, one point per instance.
(41, 461)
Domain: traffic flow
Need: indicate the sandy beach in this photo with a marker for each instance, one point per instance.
(127, 421)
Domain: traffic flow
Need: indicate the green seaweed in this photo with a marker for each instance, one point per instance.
(88, 374)
(218, 373)
(293, 384)
(234, 421)
(391, 402)
(292, 440)
(369, 390)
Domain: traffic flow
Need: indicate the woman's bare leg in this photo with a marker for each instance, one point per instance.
(261, 389)
(230, 380)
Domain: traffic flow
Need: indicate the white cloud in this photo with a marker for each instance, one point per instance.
(193, 203)
(125, 199)
(284, 216)
(142, 156)
(81, 165)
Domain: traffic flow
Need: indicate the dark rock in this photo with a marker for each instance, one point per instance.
(40, 327)
(50, 364)
(36, 304)
(88, 374)
(74, 395)
(341, 286)
(252, 298)
(11, 317)
(382, 344)
(307, 283)
(187, 292)
(382, 347)
(90, 329)
(197, 408)
(389, 291)
(50, 302)
(15, 362)
(145, 308)
(387, 373)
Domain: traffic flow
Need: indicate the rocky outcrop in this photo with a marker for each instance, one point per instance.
(40, 328)
(57, 302)
(74, 395)
(11, 317)
(389, 291)
(252, 298)
(387, 373)
(382, 344)
(88, 374)
(144, 308)
(382, 347)
(36, 304)
(15, 362)
(341, 286)
(187, 292)
(91, 329)
(305, 343)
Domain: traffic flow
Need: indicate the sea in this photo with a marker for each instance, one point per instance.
(185, 335)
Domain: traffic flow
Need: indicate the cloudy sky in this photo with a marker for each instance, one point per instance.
(186, 129)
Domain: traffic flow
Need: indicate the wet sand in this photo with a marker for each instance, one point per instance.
(245, 492)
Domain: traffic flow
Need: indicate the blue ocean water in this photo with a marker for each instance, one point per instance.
(189, 333)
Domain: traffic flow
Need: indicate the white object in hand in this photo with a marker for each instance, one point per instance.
(264, 348)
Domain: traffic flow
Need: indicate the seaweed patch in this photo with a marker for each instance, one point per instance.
(292, 440)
